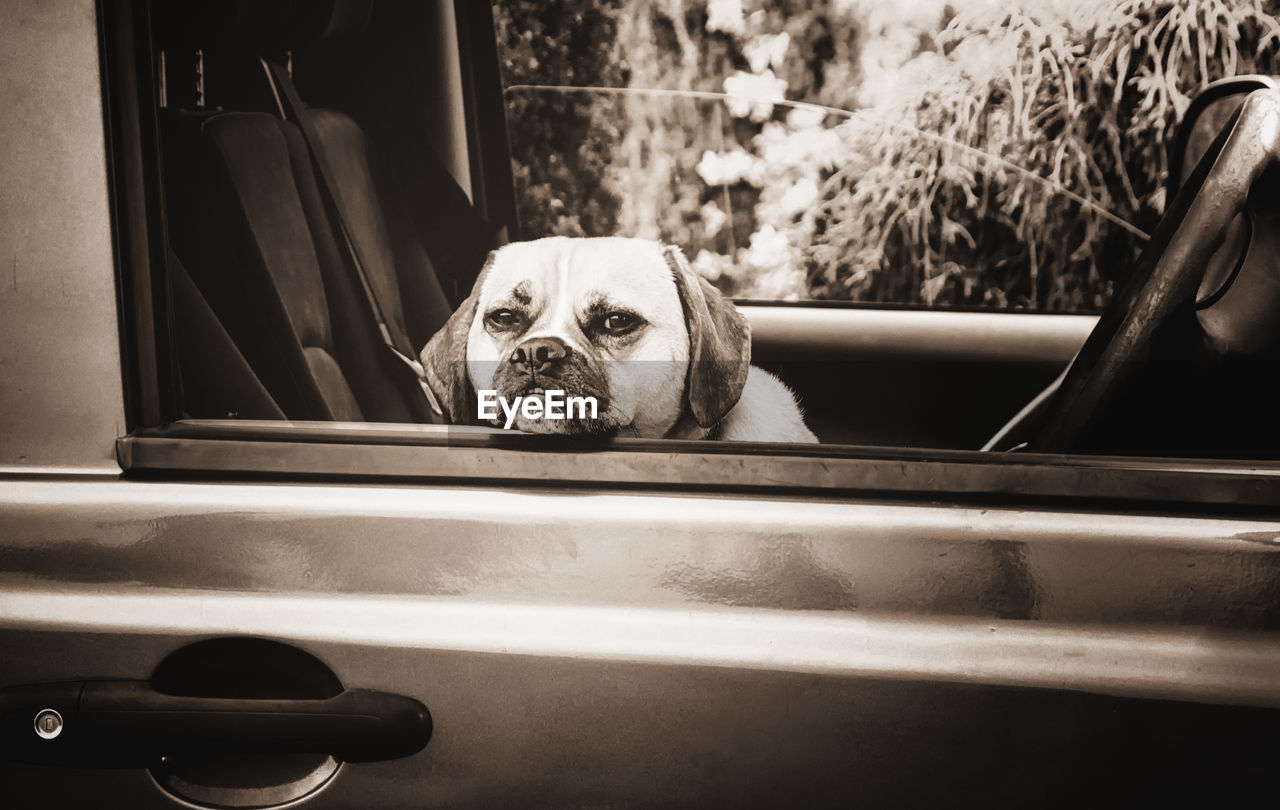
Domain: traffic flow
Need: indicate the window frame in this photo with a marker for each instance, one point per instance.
(387, 453)
(136, 202)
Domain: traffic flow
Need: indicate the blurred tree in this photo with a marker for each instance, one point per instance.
(1045, 124)
(996, 154)
(561, 148)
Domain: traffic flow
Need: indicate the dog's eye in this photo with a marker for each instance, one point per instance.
(618, 322)
(503, 318)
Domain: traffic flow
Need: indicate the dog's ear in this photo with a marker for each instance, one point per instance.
(444, 358)
(719, 343)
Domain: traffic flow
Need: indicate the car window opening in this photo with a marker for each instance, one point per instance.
(350, 240)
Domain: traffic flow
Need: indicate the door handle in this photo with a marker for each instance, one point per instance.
(128, 724)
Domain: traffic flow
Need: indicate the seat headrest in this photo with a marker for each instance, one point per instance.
(265, 27)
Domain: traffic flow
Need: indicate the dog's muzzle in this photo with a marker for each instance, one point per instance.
(548, 363)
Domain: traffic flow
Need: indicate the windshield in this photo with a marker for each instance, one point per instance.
(1005, 155)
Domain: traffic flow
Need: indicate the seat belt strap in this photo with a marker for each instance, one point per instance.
(294, 110)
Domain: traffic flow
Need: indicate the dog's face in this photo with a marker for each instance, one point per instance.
(622, 320)
(589, 317)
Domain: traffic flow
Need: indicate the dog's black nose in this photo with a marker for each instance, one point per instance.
(540, 354)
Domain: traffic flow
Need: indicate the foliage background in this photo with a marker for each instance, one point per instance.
(998, 154)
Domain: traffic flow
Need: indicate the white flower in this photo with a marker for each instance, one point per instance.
(780, 147)
(726, 16)
(805, 117)
(713, 218)
(754, 94)
(710, 265)
(767, 51)
(711, 168)
(769, 249)
(800, 197)
(722, 170)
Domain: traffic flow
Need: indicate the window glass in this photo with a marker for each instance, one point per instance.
(340, 242)
(965, 153)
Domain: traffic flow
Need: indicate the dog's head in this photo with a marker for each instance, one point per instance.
(626, 321)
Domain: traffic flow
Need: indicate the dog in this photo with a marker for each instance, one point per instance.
(626, 322)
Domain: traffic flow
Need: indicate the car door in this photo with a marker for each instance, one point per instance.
(640, 624)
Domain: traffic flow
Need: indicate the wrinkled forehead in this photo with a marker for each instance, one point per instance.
(624, 271)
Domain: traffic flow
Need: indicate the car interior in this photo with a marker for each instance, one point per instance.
(274, 316)
(331, 187)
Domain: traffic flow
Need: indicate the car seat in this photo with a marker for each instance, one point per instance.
(298, 243)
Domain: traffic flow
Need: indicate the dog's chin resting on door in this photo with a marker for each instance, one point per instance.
(624, 321)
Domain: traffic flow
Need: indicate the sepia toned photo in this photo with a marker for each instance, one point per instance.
(639, 403)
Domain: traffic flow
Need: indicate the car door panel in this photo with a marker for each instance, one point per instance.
(560, 732)
(576, 647)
